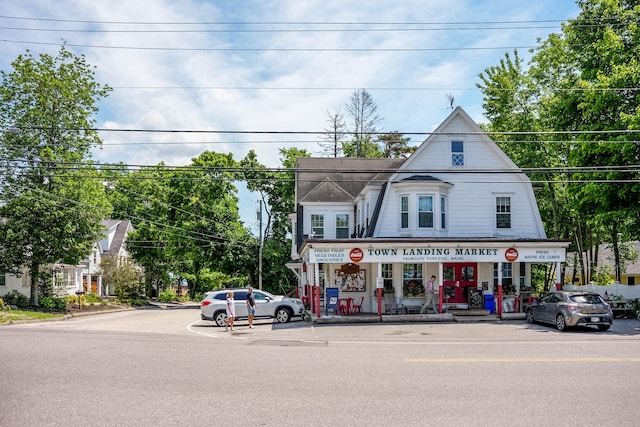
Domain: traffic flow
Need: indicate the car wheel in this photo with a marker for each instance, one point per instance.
(283, 315)
(530, 318)
(561, 322)
(604, 327)
(220, 317)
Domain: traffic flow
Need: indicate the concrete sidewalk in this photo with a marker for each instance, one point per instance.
(418, 318)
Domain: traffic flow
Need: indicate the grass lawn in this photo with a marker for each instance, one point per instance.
(26, 315)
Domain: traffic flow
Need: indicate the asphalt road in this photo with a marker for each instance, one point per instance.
(167, 367)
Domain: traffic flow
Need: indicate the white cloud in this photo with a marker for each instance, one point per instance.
(254, 89)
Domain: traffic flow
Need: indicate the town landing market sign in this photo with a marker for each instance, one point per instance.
(457, 254)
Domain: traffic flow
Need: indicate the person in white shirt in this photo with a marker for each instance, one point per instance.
(231, 311)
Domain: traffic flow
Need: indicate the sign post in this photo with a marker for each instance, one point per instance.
(379, 287)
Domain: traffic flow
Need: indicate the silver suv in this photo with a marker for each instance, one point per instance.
(282, 308)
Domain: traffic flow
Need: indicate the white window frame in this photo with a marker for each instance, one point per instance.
(503, 212)
(443, 212)
(342, 226)
(317, 224)
(457, 155)
(404, 212)
(425, 214)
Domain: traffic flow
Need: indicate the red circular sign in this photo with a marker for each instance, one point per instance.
(356, 254)
(511, 254)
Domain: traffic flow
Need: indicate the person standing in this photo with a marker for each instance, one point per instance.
(231, 311)
(251, 307)
(428, 293)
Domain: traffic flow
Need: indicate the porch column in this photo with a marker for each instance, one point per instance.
(309, 281)
(440, 286)
(499, 307)
(316, 278)
(100, 290)
(379, 290)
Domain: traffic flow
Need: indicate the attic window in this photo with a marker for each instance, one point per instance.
(457, 153)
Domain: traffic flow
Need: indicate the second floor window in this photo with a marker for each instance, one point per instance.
(443, 212)
(342, 226)
(425, 211)
(317, 226)
(404, 212)
(457, 153)
(3, 278)
(503, 212)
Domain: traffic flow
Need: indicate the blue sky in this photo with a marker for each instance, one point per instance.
(273, 65)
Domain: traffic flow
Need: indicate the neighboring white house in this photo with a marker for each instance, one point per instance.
(86, 277)
(457, 208)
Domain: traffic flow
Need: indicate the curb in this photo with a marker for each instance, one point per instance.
(411, 318)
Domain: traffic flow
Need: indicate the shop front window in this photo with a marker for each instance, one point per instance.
(387, 278)
(412, 285)
(507, 278)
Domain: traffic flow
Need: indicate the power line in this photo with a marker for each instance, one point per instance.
(322, 133)
(277, 49)
(319, 23)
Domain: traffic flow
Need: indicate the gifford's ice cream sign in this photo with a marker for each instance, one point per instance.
(435, 254)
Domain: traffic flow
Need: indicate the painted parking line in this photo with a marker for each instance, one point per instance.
(521, 359)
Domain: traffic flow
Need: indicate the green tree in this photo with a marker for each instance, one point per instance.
(277, 190)
(186, 222)
(395, 146)
(51, 203)
(580, 98)
(140, 196)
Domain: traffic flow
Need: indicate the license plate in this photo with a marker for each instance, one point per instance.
(595, 319)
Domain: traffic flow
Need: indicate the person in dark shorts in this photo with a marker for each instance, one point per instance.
(251, 307)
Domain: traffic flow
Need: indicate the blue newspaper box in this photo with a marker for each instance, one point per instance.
(331, 301)
(490, 303)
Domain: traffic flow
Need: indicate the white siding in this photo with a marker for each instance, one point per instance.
(471, 210)
(329, 211)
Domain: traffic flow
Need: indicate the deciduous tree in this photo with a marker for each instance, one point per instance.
(51, 203)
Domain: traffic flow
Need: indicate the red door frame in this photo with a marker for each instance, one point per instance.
(460, 282)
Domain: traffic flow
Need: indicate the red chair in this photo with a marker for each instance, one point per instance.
(345, 305)
(357, 306)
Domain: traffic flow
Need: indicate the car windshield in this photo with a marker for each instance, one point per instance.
(587, 299)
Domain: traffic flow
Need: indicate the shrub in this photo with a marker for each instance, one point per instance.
(92, 298)
(52, 302)
(17, 299)
(138, 302)
(167, 295)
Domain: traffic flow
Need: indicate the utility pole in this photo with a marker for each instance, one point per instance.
(260, 245)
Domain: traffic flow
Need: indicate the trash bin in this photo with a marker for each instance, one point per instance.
(490, 303)
(332, 301)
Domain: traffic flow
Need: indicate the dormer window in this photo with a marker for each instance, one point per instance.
(457, 153)
(317, 226)
(342, 226)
